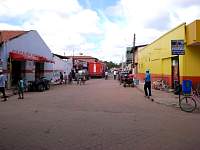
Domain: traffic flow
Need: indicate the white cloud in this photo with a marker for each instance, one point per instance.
(65, 25)
(62, 24)
(20, 7)
(151, 19)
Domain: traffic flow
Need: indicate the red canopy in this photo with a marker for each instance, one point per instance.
(24, 57)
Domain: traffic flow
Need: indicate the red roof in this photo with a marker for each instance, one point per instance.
(81, 57)
(6, 35)
(75, 57)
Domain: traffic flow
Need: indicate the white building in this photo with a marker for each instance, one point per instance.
(24, 54)
(61, 65)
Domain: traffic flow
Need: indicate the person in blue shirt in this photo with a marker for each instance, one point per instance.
(3, 81)
(21, 88)
(147, 84)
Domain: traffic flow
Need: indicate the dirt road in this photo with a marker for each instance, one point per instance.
(101, 115)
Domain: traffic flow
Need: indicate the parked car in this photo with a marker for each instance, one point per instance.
(39, 85)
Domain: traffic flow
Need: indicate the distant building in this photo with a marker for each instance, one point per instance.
(79, 62)
(92, 65)
(61, 65)
(135, 51)
(81, 58)
(129, 56)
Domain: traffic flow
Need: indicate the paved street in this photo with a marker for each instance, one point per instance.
(101, 115)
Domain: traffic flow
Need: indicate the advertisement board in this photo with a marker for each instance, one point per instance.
(177, 47)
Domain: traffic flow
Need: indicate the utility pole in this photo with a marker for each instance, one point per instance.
(73, 58)
(122, 63)
(133, 65)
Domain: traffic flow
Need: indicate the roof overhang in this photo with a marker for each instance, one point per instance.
(24, 57)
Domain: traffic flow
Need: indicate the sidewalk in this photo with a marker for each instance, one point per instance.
(162, 97)
(10, 92)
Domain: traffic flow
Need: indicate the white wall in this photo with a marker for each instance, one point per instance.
(32, 43)
(61, 65)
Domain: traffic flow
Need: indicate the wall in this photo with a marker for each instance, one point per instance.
(157, 55)
(192, 64)
(61, 65)
(192, 32)
(30, 42)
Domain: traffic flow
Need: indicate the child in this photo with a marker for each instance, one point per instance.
(21, 89)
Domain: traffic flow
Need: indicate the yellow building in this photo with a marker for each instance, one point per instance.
(158, 57)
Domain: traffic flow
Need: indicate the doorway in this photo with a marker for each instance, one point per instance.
(18, 71)
(174, 71)
(39, 70)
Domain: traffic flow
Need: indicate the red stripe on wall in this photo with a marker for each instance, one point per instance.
(168, 78)
(154, 77)
(50, 71)
(29, 71)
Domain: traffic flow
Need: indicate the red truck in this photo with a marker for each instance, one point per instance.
(96, 69)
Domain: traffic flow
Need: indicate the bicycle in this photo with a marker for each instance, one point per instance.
(188, 103)
(160, 85)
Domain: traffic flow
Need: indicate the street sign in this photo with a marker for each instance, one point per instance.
(177, 47)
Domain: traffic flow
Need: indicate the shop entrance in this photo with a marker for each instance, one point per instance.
(18, 71)
(39, 70)
(174, 71)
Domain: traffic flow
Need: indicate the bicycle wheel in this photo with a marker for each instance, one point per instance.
(187, 104)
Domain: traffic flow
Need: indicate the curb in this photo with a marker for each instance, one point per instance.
(172, 104)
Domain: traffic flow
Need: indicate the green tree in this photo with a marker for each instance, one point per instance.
(111, 64)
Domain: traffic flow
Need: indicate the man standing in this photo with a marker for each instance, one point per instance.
(106, 75)
(65, 77)
(147, 84)
(115, 74)
(21, 88)
(61, 78)
(3, 85)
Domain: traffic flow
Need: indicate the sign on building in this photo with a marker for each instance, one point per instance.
(177, 47)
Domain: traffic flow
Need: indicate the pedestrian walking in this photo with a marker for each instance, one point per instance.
(70, 78)
(106, 75)
(77, 77)
(21, 87)
(65, 77)
(61, 78)
(115, 74)
(3, 81)
(147, 84)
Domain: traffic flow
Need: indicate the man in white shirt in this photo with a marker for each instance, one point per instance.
(106, 75)
(115, 74)
(3, 85)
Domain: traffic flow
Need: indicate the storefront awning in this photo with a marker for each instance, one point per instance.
(25, 57)
(44, 59)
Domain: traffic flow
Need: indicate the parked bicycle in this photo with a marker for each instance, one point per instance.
(188, 102)
(160, 85)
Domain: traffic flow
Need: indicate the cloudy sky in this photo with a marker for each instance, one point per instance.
(99, 28)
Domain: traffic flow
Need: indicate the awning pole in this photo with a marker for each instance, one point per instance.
(9, 73)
